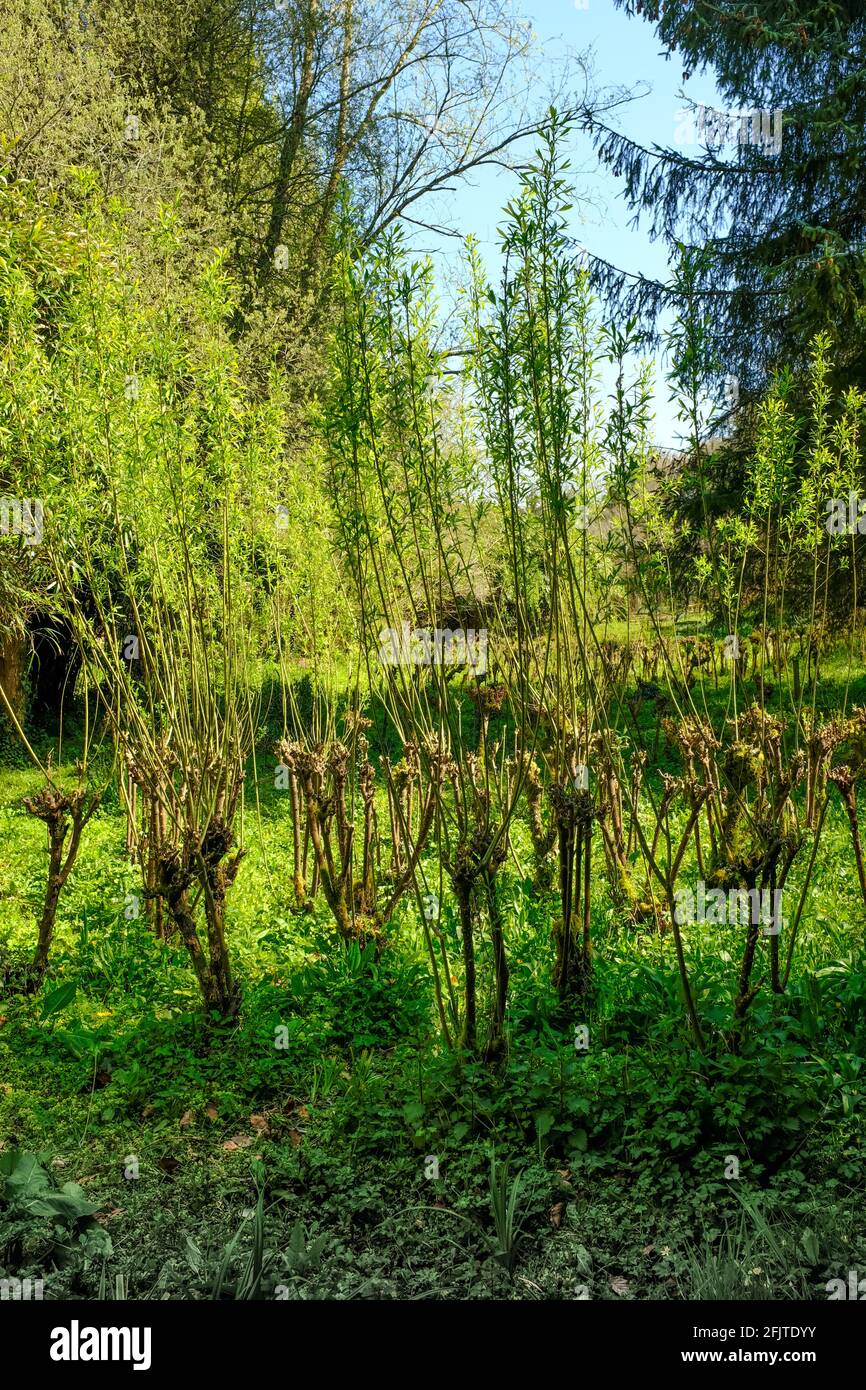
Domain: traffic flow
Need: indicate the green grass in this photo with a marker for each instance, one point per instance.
(176, 1128)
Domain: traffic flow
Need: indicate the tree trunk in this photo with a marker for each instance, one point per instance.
(500, 966)
(464, 904)
(49, 911)
(13, 660)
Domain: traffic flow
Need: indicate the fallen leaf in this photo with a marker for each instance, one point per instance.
(619, 1285)
(240, 1141)
(103, 1216)
(212, 1112)
(303, 1113)
(556, 1215)
(259, 1123)
(296, 1137)
(648, 1249)
(186, 1118)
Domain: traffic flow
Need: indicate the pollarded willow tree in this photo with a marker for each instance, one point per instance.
(485, 502)
(402, 469)
(756, 776)
(161, 479)
(535, 347)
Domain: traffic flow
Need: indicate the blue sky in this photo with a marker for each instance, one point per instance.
(624, 52)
